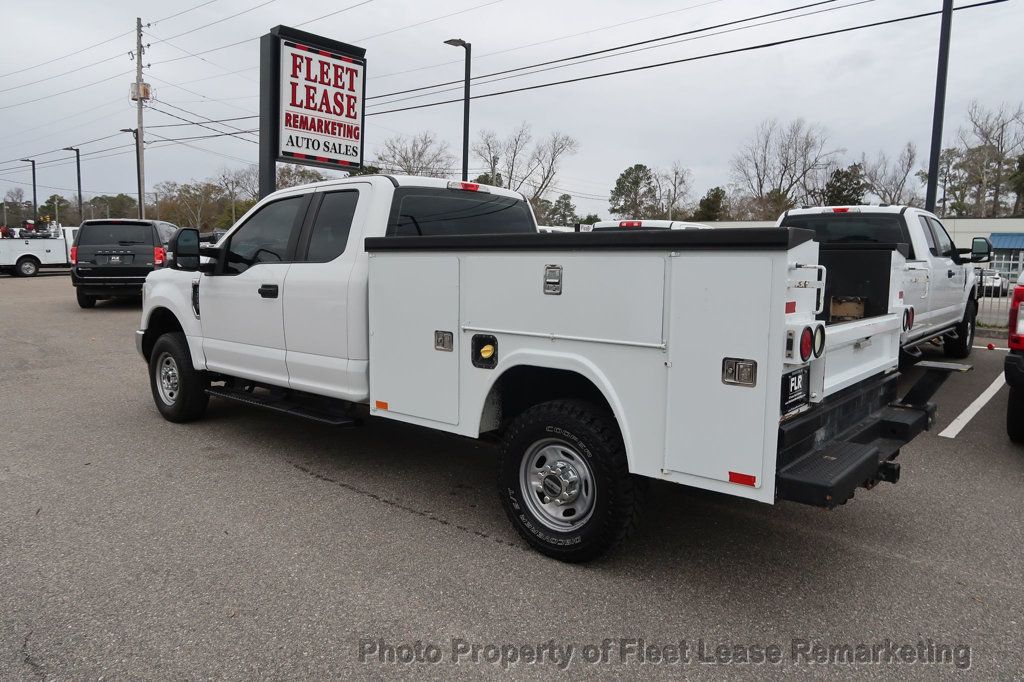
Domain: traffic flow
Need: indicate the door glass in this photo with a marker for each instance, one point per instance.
(942, 240)
(929, 237)
(264, 236)
(333, 222)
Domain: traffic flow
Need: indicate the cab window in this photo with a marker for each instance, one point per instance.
(943, 243)
(265, 236)
(332, 226)
(929, 237)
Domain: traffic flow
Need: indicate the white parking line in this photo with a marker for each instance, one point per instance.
(974, 408)
(987, 348)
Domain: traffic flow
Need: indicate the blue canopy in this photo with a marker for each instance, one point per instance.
(1007, 240)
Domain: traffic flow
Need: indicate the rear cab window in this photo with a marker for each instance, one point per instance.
(427, 211)
(115, 233)
(853, 228)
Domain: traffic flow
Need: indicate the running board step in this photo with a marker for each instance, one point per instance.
(281, 402)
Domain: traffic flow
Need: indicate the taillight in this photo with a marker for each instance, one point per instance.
(1017, 319)
(806, 344)
(159, 255)
(631, 223)
(74, 255)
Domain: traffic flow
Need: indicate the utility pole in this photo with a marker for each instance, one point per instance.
(940, 104)
(140, 94)
(78, 169)
(35, 204)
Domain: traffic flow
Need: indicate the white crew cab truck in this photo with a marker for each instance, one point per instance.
(601, 360)
(939, 284)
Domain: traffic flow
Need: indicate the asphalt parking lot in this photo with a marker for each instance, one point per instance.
(251, 544)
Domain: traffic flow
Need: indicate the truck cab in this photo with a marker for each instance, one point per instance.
(939, 283)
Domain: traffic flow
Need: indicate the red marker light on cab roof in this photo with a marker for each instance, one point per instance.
(631, 223)
(466, 186)
(840, 210)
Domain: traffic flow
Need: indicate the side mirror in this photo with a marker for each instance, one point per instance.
(981, 250)
(183, 249)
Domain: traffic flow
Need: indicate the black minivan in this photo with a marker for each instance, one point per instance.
(111, 257)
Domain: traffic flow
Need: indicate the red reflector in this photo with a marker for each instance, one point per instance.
(806, 344)
(790, 307)
(742, 479)
(159, 255)
(840, 210)
(74, 255)
(630, 223)
(380, 404)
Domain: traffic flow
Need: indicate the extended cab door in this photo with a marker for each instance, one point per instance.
(241, 305)
(319, 302)
(948, 278)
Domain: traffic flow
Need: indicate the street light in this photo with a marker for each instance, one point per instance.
(459, 42)
(35, 209)
(138, 169)
(78, 170)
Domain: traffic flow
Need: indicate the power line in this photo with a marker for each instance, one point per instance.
(64, 92)
(201, 125)
(185, 11)
(208, 61)
(59, 149)
(218, 21)
(612, 49)
(202, 149)
(193, 123)
(428, 21)
(721, 53)
(207, 119)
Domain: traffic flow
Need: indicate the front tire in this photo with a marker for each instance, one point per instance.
(564, 480)
(960, 347)
(84, 300)
(179, 390)
(1015, 415)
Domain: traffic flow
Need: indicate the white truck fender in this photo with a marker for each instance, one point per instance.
(168, 294)
(570, 362)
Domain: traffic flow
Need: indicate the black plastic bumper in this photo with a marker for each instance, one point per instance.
(1013, 369)
(851, 439)
(109, 286)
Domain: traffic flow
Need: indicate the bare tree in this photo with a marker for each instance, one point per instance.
(997, 136)
(422, 154)
(517, 162)
(888, 179)
(232, 182)
(545, 160)
(673, 186)
(776, 165)
(489, 148)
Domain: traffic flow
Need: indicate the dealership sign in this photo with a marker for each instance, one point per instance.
(312, 91)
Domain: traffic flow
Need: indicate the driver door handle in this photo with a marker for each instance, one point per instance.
(949, 273)
(268, 291)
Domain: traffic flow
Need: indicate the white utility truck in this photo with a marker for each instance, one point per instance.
(600, 360)
(940, 284)
(24, 256)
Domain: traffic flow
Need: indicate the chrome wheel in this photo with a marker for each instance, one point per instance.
(557, 484)
(168, 383)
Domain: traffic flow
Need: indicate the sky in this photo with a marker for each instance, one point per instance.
(870, 89)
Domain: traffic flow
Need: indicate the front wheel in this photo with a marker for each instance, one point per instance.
(564, 480)
(960, 347)
(179, 390)
(1015, 415)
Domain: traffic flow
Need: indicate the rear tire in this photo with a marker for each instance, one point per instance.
(564, 480)
(960, 347)
(179, 390)
(1015, 415)
(84, 300)
(27, 267)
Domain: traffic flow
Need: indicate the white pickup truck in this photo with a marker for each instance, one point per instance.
(940, 283)
(24, 256)
(601, 360)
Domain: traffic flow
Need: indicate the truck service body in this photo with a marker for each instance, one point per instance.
(600, 359)
(26, 255)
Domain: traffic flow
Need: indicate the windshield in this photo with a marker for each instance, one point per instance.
(122, 234)
(424, 211)
(841, 228)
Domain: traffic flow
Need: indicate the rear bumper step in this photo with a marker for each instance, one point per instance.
(820, 467)
(287, 403)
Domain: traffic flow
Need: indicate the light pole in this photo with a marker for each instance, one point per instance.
(138, 169)
(78, 170)
(459, 42)
(35, 206)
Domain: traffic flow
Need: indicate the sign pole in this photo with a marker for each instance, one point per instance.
(270, 93)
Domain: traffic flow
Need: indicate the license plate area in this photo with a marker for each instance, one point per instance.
(796, 389)
(115, 259)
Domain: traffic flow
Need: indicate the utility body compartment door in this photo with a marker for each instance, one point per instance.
(414, 317)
